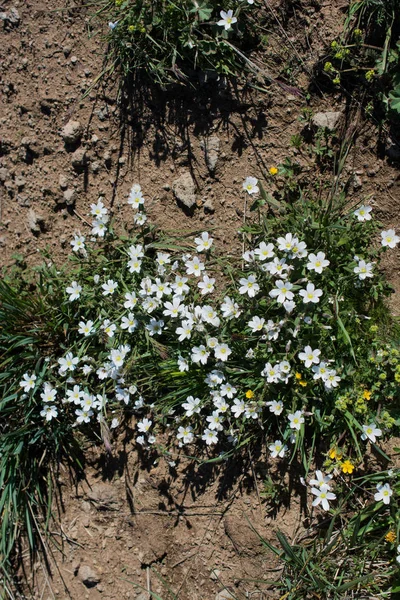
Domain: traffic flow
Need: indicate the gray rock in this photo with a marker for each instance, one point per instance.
(79, 159)
(225, 595)
(329, 120)
(4, 174)
(72, 132)
(88, 576)
(12, 16)
(34, 221)
(70, 197)
(67, 51)
(95, 166)
(63, 182)
(185, 190)
(209, 206)
(357, 181)
(20, 182)
(211, 147)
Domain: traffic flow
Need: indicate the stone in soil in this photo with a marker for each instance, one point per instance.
(328, 120)
(185, 190)
(88, 576)
(72, 132)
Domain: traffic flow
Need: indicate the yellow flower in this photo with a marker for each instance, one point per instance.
(302, 383)
(334, 453)
(273, 170)
(131, 28)
(369, 75)
(347, 467)
(367, 395)
(390, 537)
(298, 375)
(249, 394)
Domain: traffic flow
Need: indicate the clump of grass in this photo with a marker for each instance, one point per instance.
(170, 40)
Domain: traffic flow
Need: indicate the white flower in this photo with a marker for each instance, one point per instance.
(135, 198)
(144, 425)
(222, 352)
(207, 285)
(129, 323)
(215, 421)
(98, 210)
(229, 308)
(371, 432)
(249, 286)
(364, 269)
(200, 354)
(85, 328)
(114, 423)
(250, 183)
(330, 379)
(264, 251)
(310, 294)
(272, 374)
(78, 243)
(282, 292)
(155, 327)
(163, 258)
(108, 327)
(180, 286)
(323, 495)
(74, 291)
(75, 395)
(49, 412)
(194, 267)
(173, 309)
(185, 331)
(212, 342)
(112, 25)
(238, 407)
(286, 243)
(252, 411)
(139, 218)
(277, 449)
(275, 407)
(227, 390)
(192, 406)
(363, 213)
(389, 238)
(68, 363)
(299, 250)
(83, 415)
(99, 228)
(317, 262)
(227, 19)
(131, 300)
(134, 265)
(185, 433)
(210, 437)
(204, 242)
(296, 419)
(256, 324)
(183, 364)
(277, 267)
(109, 287)
(28, 382)
(320, 371)
(117, 357)
(309, 356)
(210, 316)
(384, 493)
(321, 480)
(289, 305)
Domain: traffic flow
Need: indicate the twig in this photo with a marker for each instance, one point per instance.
(82, 218)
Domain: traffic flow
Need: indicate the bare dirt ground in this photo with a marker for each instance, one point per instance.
(130, 521)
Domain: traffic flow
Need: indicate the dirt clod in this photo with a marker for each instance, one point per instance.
(88, 576)
(72, 132)
(328, 120)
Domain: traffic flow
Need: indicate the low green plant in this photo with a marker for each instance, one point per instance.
(169, 40)
(367, 54)
(290, 344)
